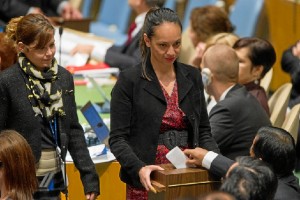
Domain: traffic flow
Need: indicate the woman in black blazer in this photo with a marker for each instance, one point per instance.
(157, 99)
(37, 100)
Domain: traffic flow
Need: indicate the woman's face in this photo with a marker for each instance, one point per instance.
(41, 58)
(165, 44)
(246, 70)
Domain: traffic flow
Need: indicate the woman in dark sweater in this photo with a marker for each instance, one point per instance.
(37, 100)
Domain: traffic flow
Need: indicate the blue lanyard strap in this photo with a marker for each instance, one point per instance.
(53, 129)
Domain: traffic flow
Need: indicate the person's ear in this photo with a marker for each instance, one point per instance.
(147, 40)
(257, 71)
(21, 47)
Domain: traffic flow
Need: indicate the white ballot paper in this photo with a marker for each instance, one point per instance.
(177, 158)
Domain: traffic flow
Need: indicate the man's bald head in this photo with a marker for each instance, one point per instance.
(223, 62)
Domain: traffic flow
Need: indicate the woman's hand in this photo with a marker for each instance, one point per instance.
(144, 175)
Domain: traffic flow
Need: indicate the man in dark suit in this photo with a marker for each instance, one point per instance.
(237, 115)
(128, 54)
(274, 146)
(15, 8)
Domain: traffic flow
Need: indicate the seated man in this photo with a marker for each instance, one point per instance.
(128, 54)
(290, 63)
(15, 8)
(237, 115)
(250, 178)
(274, 146)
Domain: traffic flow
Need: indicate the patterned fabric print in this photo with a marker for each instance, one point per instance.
(136, 194)
(174, 116)
(45, 95)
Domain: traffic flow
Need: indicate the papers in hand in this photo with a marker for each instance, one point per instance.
(98, 153)
(177, 158)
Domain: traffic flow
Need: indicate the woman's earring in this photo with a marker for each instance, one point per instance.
(256, 81)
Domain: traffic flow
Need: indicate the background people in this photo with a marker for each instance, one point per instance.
(16, 8)
(37, 100)
(290, 62)
(8, 52)
(274, 146)
(237, 116)
(256, 58)
(154, 99)
(250, 178)
(128, 54)
(17, 167)
(205, 22)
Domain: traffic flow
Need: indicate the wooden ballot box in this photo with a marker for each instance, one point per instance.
(177, 184)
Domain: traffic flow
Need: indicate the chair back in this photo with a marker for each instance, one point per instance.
(115, 12)
(266, 80)
(86, 8)
(291, 122)
(170, 4)
(191, 4)
(278, 104)
(245, 15)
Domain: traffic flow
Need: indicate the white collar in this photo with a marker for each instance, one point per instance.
(225, 93)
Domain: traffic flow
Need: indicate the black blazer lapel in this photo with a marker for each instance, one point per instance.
(183, 81)
(153, 86)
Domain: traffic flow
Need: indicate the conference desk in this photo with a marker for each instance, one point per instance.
(111, 188)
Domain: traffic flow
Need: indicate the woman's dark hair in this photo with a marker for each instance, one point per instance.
(261, 52)
(155, 17)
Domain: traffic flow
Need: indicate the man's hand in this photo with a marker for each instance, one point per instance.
(69, 12)
(144, 175)
(195, 156)
(296, 50)
(91, 196)
(82, 48)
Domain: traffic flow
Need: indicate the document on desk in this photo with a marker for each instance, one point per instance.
(99, 154)
(69, 39)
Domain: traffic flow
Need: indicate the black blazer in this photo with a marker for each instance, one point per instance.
(235, 121)
(137, 108)
(288, 186)
(126, 55)
(17, 113)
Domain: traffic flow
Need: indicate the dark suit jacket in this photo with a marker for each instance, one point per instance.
(287, 189)
(16, 8)
(17, 113)
(291, 65)
(137, 108)
(235, 120)
(126, 55)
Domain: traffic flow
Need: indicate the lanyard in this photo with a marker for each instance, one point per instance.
(53, 129)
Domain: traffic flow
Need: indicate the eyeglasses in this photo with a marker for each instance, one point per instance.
(43, 50)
